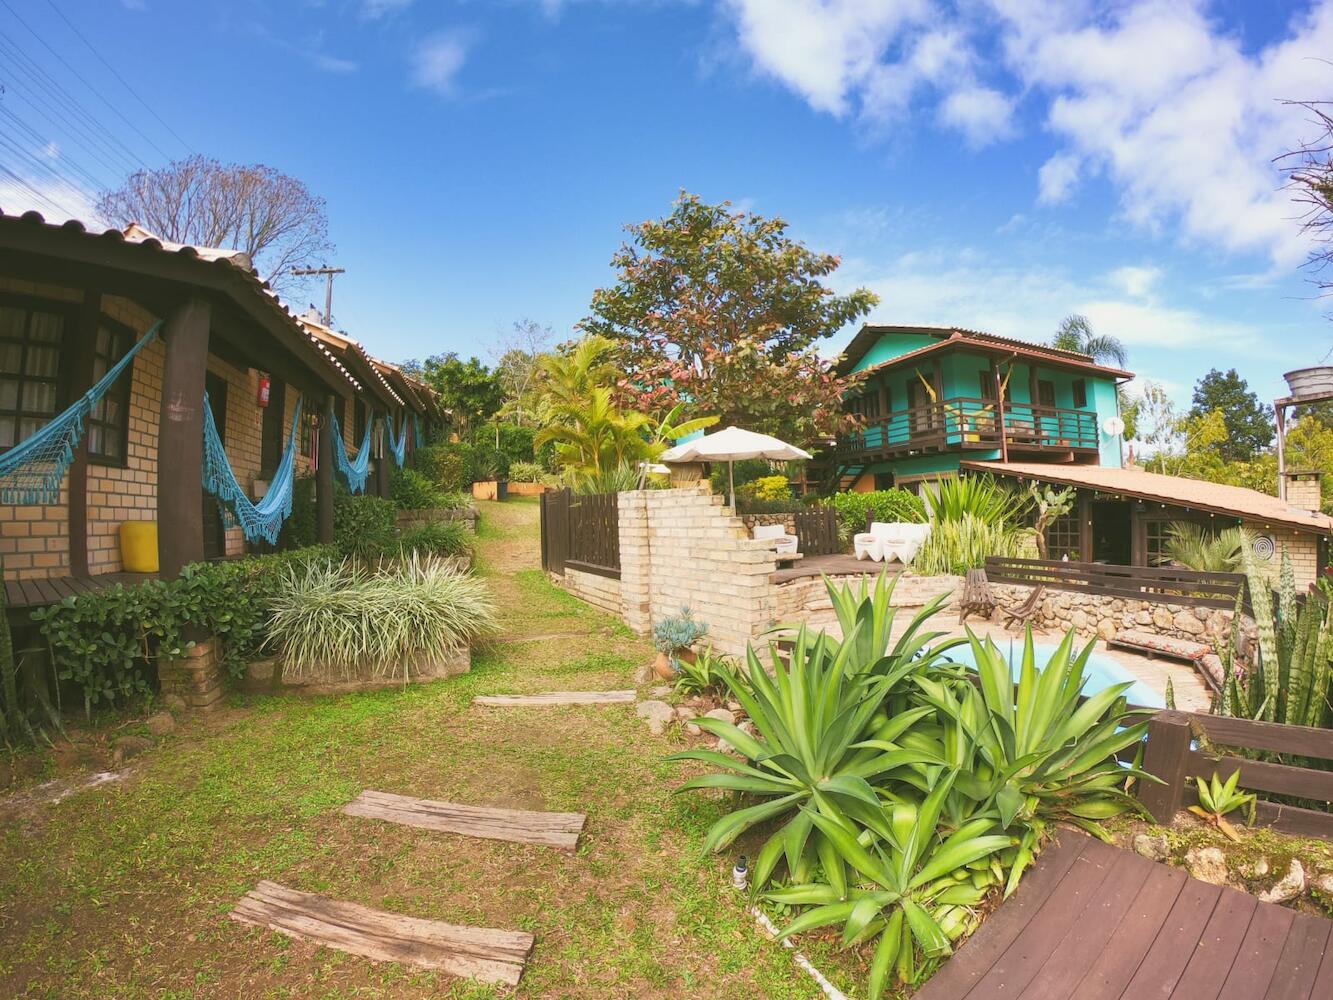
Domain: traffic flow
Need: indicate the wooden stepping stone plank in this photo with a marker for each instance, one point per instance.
(549, 829)
(483, 954)
(557, 698)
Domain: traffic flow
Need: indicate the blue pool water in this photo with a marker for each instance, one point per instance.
(1102, 671)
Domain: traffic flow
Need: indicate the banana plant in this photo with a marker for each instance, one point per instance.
(915, 887)
(810, 717)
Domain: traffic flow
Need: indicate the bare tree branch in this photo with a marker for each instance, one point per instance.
(1309, 170)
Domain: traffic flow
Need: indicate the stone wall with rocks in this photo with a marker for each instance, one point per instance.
(806, 600)
(1103, 616)
(788, 521)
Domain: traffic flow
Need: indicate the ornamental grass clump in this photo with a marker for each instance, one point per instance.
(896, 791)
(348, 619)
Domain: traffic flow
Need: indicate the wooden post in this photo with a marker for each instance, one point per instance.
(1167, 757)
(81, 377)
(382, 468)
(999, 411)
(324, 474)
(180, 491)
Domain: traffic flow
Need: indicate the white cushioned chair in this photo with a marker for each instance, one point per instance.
(891, 540)
(786, 544)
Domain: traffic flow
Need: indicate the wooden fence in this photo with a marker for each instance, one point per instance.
(1136, 583)
(817, 531)
(1184, 745)
(581, 532)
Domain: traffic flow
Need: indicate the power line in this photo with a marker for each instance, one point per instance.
(51, 99)
(42, 141)
(79, 76)
(22, 183)
(123, 82)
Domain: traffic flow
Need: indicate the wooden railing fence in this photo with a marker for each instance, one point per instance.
(581, 532)
(1166, 584)
(1184, 745)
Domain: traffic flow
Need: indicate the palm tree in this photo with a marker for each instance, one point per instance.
(1075, 334)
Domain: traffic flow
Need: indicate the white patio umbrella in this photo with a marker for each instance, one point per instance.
(731, 445)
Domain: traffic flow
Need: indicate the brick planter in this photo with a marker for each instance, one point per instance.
(197, 677)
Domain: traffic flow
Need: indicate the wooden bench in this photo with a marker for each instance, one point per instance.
(1199, 655)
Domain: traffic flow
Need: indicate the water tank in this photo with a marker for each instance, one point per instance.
(1310, 381)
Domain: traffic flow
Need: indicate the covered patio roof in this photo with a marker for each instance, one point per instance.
(1176, 491)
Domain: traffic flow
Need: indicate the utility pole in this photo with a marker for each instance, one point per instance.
(328, 273)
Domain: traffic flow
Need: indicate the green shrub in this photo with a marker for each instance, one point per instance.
(958, 546)
(515, 441)
(489, 463)
(105, 642)
(982, 497)
(855, 509)
(766, 488)
(412, 490)
(899, 793)
(302, 528)
(364, 526)
(448, 466)
(526, 472)
(344, 617)
(436, 538)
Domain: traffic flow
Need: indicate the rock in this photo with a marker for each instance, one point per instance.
(693, 730)
(643, 674)
(160, 724)
(1323, 884)
(126, 747)
(173, 703)
(747, 727)
(1154, 848)
(733, 706)
(725, 715)
(661, 691)
(1079, 619)
(1188, 622)
(1207, 864)
(1106, 629)
(1288, 887)
(684, 713)
(1142, 618)
(1162, 618)
(658, 713)
(1260, 868)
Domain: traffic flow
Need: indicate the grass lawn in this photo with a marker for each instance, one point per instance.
(122, 890)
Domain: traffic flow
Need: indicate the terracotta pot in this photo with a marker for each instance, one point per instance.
(686, 654)
(663, 669)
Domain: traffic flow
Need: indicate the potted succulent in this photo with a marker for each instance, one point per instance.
(673, 636)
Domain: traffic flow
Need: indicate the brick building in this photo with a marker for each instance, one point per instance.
(72, 302)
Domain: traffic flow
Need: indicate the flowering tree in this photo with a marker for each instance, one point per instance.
(723, 310)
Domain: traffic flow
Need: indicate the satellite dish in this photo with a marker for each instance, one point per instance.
(1113, 426)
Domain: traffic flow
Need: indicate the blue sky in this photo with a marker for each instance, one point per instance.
(988, 163)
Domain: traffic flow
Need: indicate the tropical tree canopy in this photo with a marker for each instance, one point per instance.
(1249, 422)
(723, 310)
(1075, 334)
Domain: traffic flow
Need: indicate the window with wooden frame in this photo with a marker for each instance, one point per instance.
(108, 424)
(987, 379)
(1156, 532)
(1045, 392)
(32, 342)
(866, 405)
(1063, 538)
(1080, 393)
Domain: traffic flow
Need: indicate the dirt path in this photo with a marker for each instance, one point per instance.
(122, 890)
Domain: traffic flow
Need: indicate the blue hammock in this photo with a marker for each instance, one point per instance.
(354, 471)
(418, 439)
(397, 445)
(257, 520)
(31, 472)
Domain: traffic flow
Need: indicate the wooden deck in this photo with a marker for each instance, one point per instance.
(1094, 922)
(53, 590)
(842, 564)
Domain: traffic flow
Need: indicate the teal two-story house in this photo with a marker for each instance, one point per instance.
(934, 397)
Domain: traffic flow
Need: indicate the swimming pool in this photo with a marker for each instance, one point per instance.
(1102, 670)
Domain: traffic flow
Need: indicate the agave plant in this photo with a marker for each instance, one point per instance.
(868, 615)
(1289, 679)
(917, 884)
(1035, 750)
(1218, 797)
(810, 717)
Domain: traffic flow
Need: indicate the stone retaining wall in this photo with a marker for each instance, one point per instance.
(806, 600)
(1103, 616)
(416, 518)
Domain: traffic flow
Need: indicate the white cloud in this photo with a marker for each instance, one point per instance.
(57, 201)
(332, 64)
(982, 114)
(1136, 282)
(437, 61)
(1159, 97)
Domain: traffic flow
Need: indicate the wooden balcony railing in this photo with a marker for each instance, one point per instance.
(963, 423)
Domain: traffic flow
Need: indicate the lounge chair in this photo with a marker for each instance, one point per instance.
(1028, 609)
(977, 598)
(786, 544)
(890, 540)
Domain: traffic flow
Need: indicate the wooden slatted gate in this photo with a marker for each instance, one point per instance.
(1166, 584)
(817, 531)
(581, 532)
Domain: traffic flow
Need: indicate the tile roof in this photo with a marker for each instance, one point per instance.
(1175, 490)
(869, 335)
(345, 343)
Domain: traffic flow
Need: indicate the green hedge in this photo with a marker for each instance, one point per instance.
(103, 642)
(885, 505)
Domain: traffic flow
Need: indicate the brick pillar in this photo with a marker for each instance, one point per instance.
(196, 677)
(636, 565)
(1303, 490)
